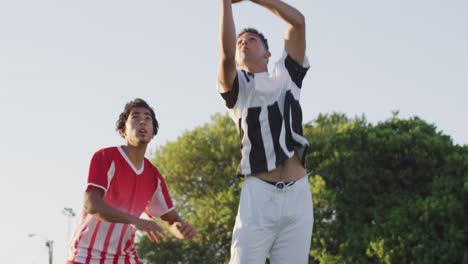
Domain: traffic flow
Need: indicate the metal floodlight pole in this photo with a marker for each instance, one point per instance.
(48, 243)
(68, 211)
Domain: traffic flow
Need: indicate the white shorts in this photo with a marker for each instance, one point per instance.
(274, 222)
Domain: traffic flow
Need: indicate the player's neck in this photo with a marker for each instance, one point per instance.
(253, 64)
(136, 154)
(254, 67)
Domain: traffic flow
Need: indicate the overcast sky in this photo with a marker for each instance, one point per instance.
(68, 67)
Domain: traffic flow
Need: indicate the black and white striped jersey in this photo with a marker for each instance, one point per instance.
(266, 110)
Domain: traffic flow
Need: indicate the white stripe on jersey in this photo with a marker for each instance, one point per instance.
(157, 205)
(246, 145)
(110, 173)
(282, 141)
(99, 240)
(83, 241)
(299, 138)
(267, 139)
(114, 240)
(132, 254)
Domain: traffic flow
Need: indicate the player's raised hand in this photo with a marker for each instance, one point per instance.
(152, 230)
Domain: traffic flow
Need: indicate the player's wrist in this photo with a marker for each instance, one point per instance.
(135, 221)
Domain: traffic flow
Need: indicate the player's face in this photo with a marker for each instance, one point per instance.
(249, 49)
(139, 126)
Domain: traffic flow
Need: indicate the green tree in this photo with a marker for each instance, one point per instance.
(390, 193)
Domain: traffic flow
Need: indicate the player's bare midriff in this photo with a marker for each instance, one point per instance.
(290, 170)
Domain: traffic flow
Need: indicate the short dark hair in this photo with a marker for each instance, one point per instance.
(256, 32)
(138, 102)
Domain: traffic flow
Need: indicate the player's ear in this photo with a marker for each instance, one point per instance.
(122, 132)
(267, 55)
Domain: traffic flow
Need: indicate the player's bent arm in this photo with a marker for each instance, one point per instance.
(295, 43)
(96, 206)
(227, 47)
(177, 226)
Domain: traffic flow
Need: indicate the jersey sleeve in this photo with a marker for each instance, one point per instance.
(230, 98)
(160, 202)
(296, 71)
(100, 171)
(238, 94)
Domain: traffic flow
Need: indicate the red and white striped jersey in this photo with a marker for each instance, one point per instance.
(128, 189)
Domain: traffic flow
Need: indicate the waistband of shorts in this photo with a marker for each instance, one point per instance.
(281, 185)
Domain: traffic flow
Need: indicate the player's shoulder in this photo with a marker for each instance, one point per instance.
(107, 150)
(151, 166)
(106, 153)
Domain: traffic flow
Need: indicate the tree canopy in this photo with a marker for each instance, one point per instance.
(394, 192)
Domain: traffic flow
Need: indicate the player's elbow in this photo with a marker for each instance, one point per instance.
(299, 21)
(91, 204)
(89, 207)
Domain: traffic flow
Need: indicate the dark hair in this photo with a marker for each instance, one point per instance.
(120, 124)
(256, 32)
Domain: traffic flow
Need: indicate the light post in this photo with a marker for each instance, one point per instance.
(48, 243)
(67, 211)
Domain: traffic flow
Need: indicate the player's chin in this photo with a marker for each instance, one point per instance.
(145, 138)
(143, 141)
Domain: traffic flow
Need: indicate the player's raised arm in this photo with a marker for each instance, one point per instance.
(227, 47)
(295, 34)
